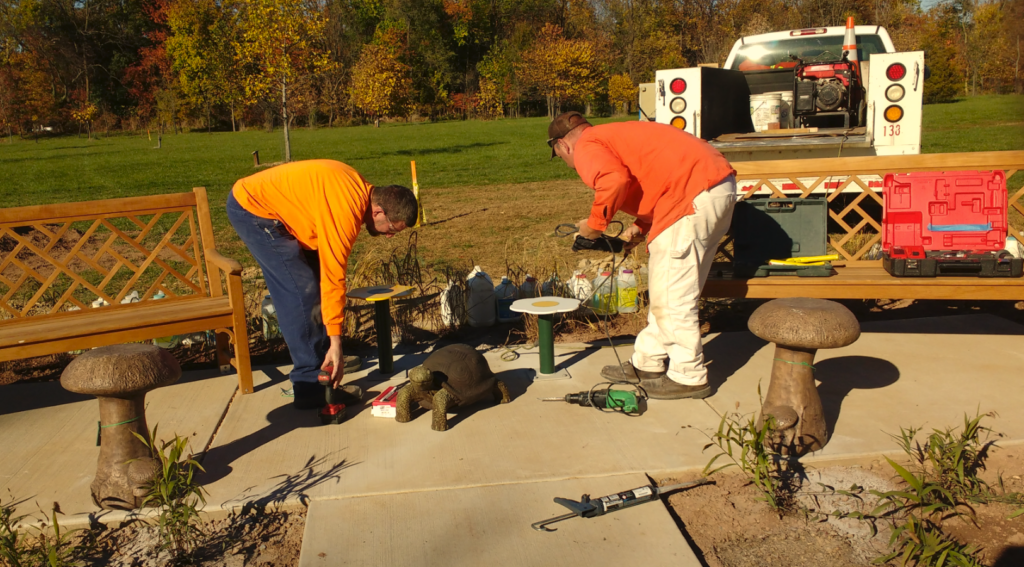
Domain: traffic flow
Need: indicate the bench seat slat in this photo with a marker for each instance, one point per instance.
(145, 318)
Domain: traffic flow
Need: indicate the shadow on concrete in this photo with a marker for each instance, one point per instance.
(725, 354)
(217, 460)
(21, 397)
(841, 375)
(315, 472)
(1010, 557)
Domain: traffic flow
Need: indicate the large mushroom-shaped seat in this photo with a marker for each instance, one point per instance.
(455, 375)
(799, 326)
(119, 376)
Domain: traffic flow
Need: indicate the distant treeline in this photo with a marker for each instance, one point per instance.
(81, 65)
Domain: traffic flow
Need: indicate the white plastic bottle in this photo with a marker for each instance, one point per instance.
(627, 291)
(506, 293)
(529, 287)
(580, 286)
(271, 328)
(604, 300)
(453, 305)
(482, 303)
(132, 297)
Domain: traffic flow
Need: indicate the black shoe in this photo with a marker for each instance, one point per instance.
(308, 395)
(626, 374)
(663, 388)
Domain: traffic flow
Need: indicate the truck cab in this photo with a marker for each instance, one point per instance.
(798, 94)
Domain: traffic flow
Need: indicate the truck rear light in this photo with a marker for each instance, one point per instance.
(678, 105)
(895, 93)
(679, 122)
(808, 31)
(677, 86)
(893, 113)
(896, 71)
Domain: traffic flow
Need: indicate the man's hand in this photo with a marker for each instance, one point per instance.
(587, 232)
(334, 362)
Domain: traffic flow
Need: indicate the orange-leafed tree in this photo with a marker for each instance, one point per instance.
(561, 69)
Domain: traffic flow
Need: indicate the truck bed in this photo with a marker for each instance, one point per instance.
(821, 139)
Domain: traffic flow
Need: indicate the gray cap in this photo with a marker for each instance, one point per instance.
(120, 370)
(802, 322)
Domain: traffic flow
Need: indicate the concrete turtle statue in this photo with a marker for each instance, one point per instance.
(452, 376)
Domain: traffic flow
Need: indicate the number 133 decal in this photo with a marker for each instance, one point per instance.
(891, 130)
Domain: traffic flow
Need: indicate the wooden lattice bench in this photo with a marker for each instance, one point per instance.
(853, 188)
(56, 260)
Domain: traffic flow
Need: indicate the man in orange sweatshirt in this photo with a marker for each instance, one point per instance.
(299, 221)
(682, 192)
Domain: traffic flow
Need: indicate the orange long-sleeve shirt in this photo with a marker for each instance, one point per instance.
(322, 203)
(651, 171)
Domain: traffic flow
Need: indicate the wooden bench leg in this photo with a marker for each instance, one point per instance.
(241, 360)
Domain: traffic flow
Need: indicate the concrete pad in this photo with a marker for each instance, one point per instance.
(917, 372)
(268, 452)
(491, 526)
(49, 436)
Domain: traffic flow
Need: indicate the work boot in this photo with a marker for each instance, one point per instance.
(626, 374)
(664, 388)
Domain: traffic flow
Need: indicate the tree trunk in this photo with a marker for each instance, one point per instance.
(284, 121)
(233, 117)
(376, 122)
(209, 126)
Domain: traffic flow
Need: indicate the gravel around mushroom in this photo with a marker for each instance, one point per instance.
(799, 326)
(119, 376)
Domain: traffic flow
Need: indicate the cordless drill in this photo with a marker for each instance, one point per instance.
(608, 399)
(334, 411)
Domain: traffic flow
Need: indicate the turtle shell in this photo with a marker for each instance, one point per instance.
(462, 371)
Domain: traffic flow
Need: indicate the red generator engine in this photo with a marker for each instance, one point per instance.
(828, 95)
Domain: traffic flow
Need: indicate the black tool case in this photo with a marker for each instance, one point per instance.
(932, 264)
(776, 229)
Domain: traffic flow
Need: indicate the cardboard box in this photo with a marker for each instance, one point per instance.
(385, 404)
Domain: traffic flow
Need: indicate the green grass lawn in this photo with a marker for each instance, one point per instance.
(455, 160)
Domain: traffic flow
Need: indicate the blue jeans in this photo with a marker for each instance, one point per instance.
(292, 275)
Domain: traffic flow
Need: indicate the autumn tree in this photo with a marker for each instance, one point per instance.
(200, 45)
(562, 70)
(380, 81)
(621, 91)
(280, 42)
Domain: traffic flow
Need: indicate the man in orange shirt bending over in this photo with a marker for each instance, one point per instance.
(682, 192)
(299, 221)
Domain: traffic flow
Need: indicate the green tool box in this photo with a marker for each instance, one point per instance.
(775, 229)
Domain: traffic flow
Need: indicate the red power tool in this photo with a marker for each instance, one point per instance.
(334, 410)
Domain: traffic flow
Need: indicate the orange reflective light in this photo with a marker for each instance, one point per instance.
(893, 113)
(679, 122)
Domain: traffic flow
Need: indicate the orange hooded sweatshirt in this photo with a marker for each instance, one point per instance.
(322, 204)
(651, 171)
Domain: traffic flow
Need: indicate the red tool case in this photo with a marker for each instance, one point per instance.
(949, 223)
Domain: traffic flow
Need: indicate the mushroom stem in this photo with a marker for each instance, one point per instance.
(792, 392)
(120, 418)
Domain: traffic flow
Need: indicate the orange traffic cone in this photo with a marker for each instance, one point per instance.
(850, 40)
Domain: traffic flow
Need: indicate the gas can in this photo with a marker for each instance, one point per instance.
(605, 298)
(506, 294)
(627, 291)
(483, 305)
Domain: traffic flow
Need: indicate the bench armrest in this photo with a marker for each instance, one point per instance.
(223, 262)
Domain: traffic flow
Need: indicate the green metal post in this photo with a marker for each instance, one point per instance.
(545, 323)
(382, 322)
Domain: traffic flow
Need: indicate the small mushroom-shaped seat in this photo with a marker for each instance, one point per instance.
(119, 376)
(799, 326)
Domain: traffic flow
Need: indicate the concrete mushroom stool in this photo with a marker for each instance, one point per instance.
(799, 326)
(120, 376)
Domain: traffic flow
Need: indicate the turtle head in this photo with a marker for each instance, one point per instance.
(421, 378)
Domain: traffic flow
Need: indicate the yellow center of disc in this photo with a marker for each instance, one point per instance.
(545, 304)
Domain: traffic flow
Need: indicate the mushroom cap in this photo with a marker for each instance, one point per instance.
(806, 323)
(120, 370)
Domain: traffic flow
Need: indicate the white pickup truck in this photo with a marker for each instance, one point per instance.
(830, 108)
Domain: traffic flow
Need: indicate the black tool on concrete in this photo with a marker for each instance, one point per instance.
(606, 398)
(587, 508)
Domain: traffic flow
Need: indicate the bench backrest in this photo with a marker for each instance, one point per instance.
(857, 216)
(56, 258)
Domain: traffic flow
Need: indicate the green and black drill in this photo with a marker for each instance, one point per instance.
(620, 400)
